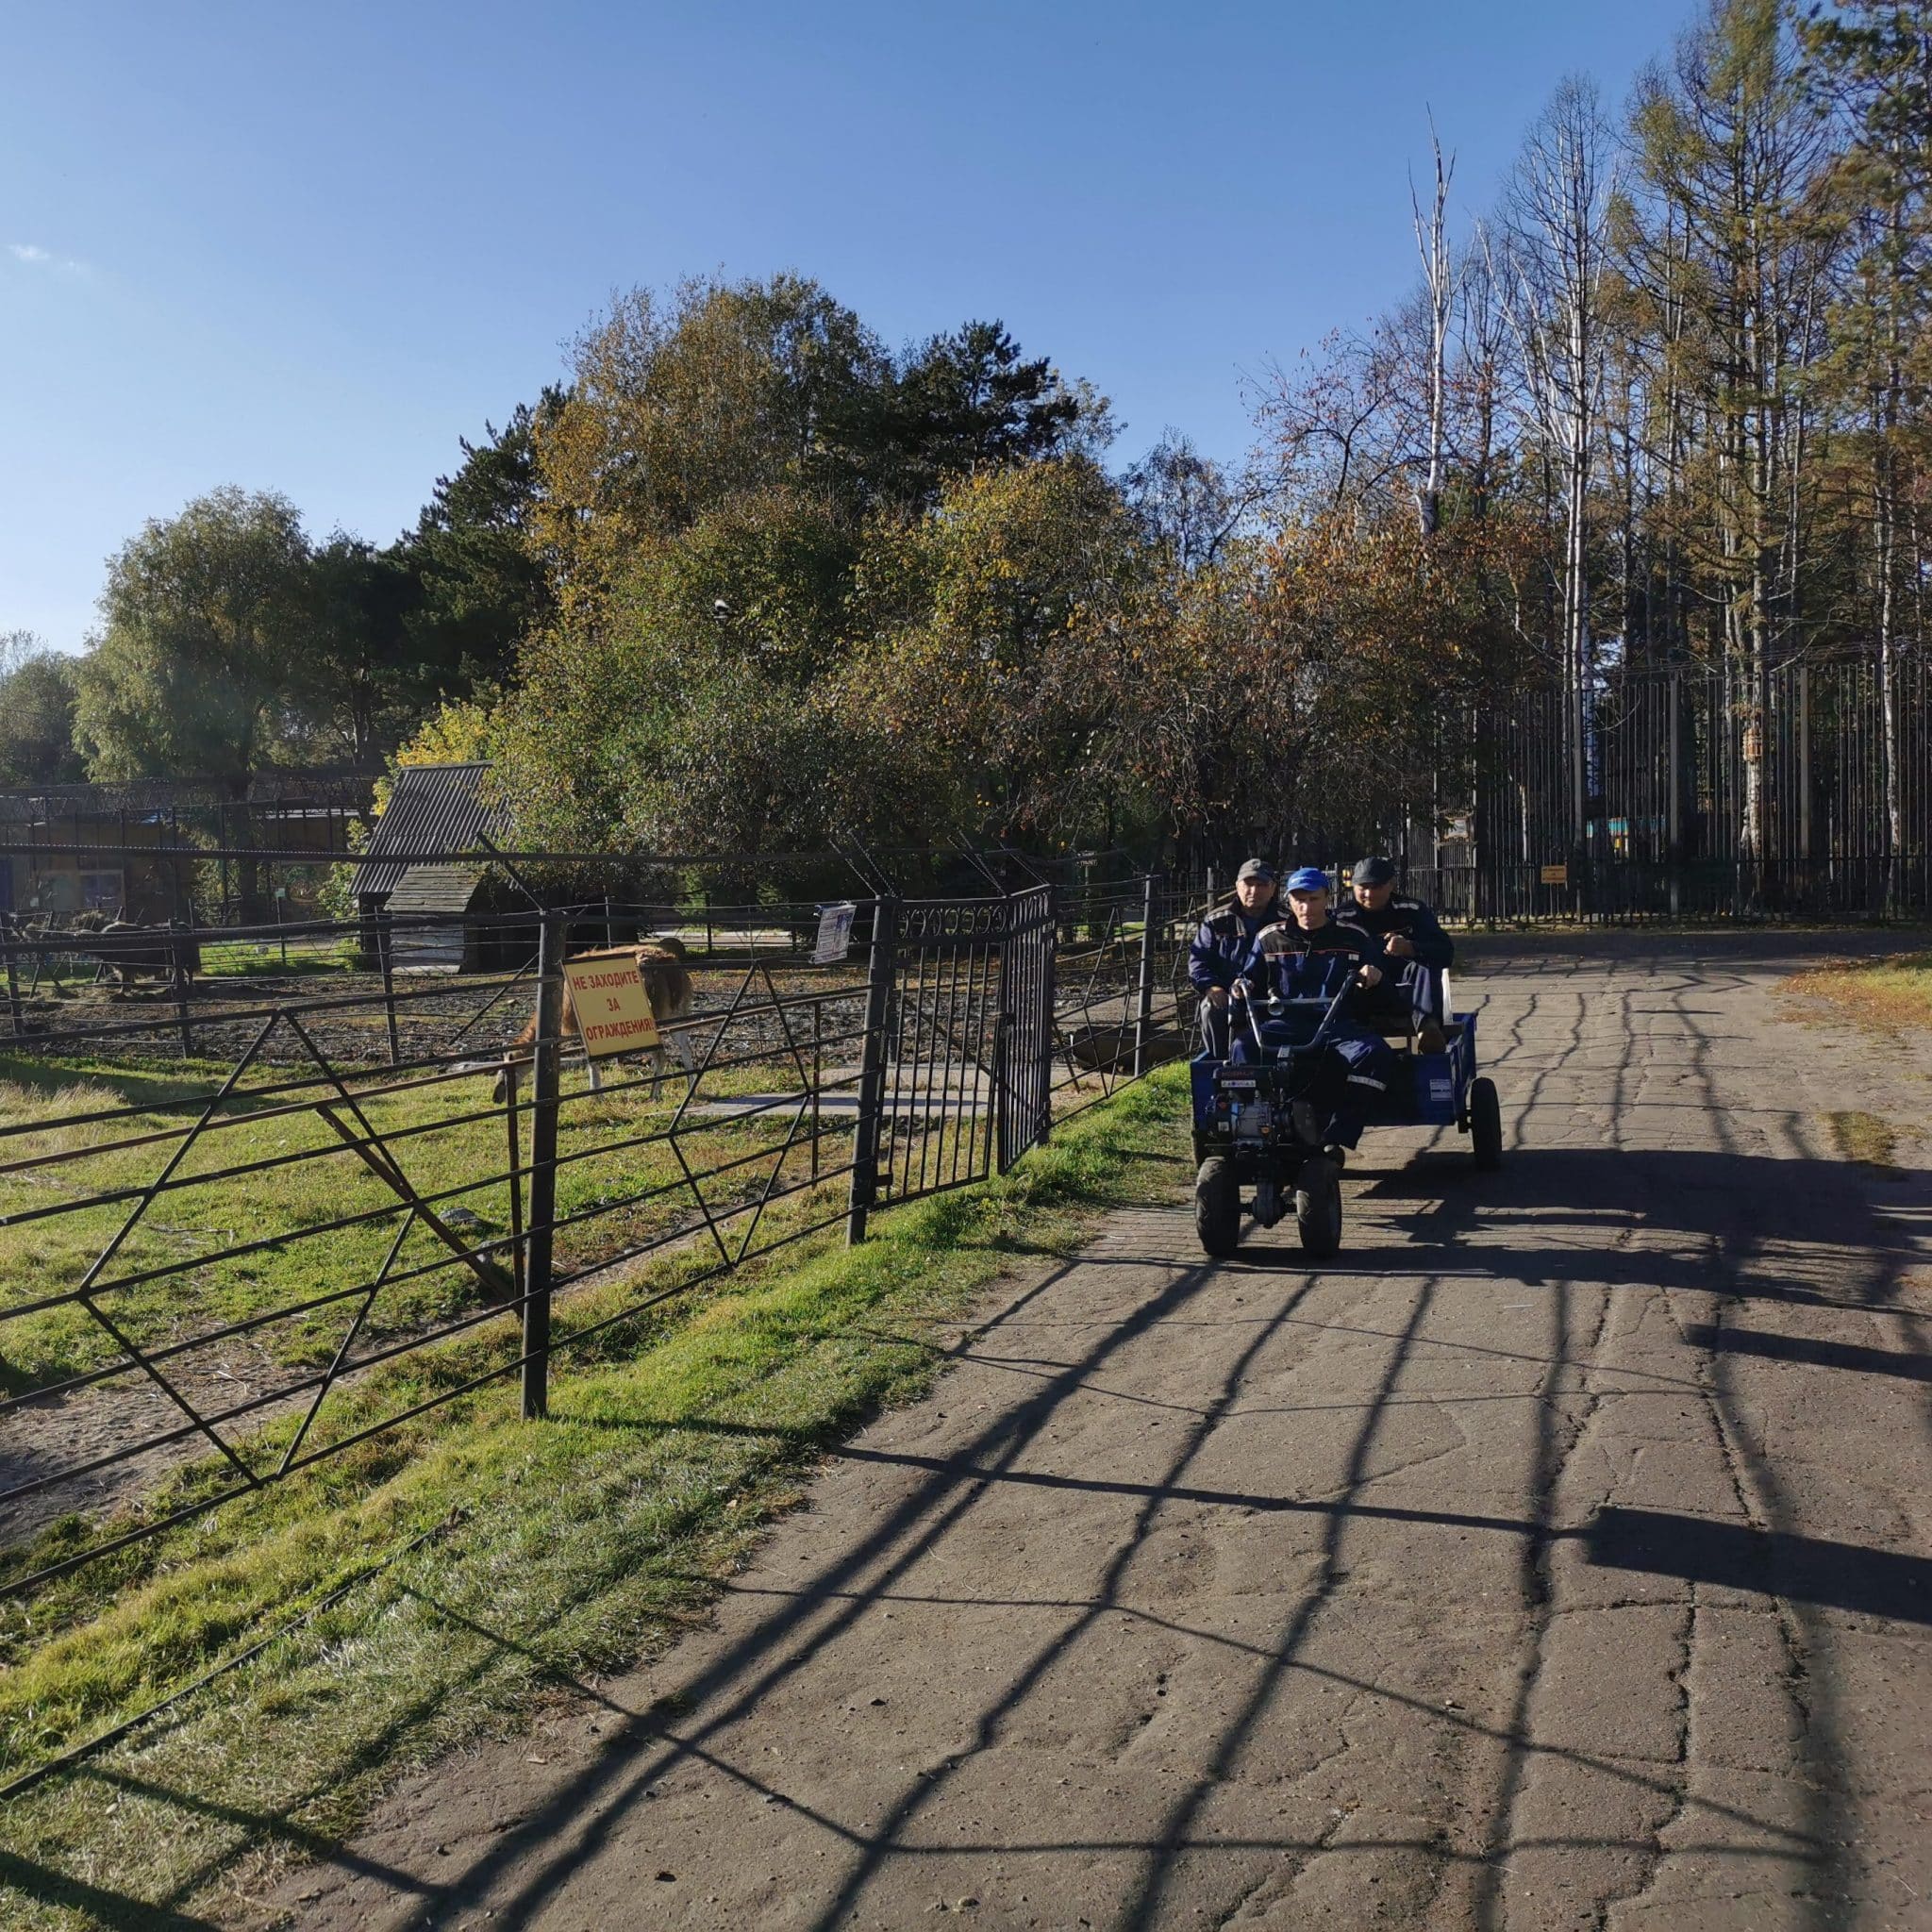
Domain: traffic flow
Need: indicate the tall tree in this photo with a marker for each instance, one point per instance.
(1872, 62)
(37, 696)
(1557, 224)
(677, 403)
(1729, 145)
(203, 664)
(366, 686)
(481, 587)
(970, 401)
(1439, 285)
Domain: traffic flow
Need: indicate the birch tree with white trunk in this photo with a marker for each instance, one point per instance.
(1555, 226)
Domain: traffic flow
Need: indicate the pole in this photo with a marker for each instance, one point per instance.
(818, 1080)
(385, 957)
(179, 945)
(1804, 777)
(1002, 1084)
(1144, 994)
(13, 1007)
(1676, 806)
(872, 1077)
(1042, 1045)
(542, 1169)
(519, 1270)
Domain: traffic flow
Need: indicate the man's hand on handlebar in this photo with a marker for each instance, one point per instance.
(1370, 976)
(1217, 996)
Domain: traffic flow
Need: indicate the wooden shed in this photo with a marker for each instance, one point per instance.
(435, 817)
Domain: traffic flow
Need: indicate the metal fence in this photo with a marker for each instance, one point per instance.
(267, 1196)
(1675, 759)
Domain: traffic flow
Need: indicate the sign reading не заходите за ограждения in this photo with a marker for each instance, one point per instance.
(613, 1009)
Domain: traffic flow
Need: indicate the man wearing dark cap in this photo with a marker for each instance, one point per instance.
(1310, 958)
(1415, 949)
(1223, 944)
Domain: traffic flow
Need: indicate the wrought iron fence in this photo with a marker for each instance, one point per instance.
(258, 1206)
(1704, 797)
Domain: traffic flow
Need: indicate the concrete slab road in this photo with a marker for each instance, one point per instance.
(1558, 1557)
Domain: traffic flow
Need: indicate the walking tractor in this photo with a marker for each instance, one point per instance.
(1258, 1119)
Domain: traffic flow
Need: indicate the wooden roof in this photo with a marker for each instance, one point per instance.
(438, 809)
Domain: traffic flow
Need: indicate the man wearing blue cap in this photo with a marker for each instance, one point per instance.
(1414, 946)
(1222, 946)
(1313, 956)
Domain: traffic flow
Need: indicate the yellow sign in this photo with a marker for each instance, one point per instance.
(1556, 874)
(613, 1010)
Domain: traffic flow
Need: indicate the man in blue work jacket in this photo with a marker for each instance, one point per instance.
(1313, 956)
(1415, 951)
(1222, 946)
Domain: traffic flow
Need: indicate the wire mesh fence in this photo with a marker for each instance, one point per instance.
(260, 1208)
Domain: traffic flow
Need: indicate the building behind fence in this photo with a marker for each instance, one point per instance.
(145, 849)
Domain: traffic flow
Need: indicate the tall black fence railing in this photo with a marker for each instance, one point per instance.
(1707, 795)
(257, 1207)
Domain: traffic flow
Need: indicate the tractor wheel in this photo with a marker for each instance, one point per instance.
(1217, 1206)
(1318, 1207)
(1485, 1126)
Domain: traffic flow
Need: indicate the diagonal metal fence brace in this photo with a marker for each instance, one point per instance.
(112, 1328)
(347, 1342)
(375, 1155)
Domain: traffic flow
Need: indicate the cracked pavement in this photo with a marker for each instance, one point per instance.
(1555, 1557)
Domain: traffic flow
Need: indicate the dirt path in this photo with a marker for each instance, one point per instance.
(1557, 1558)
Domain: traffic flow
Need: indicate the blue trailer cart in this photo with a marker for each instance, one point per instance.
(1257, 1140)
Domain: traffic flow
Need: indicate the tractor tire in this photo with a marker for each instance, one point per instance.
(1217, 1206)
(1485, 1126)
(1318, 1207)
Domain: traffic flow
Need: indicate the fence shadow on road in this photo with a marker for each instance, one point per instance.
(1705, 1199)
(1732, 1555)
(1695, 1205)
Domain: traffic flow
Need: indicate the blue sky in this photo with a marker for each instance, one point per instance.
(307, 248)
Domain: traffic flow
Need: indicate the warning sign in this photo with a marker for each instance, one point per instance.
(1556, 874)
(612, 1008)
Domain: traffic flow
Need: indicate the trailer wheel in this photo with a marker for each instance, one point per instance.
(1318, 1207)
(1217, 1206)
(1485, 1126)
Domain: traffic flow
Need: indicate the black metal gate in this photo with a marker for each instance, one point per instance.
(960, 1056)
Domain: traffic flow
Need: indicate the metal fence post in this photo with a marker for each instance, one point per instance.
(1677, 796)
(867, 1133)
(385, 958)
(1042, 1048)
(537, 1269)
(1143, 997)
(178, 955)
(13, 1007)
(1001, 1088)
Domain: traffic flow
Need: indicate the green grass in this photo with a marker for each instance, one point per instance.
(1867, 1139)
(232, 958)
(1886, 995)
(570, 1547)
(441, 1147)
